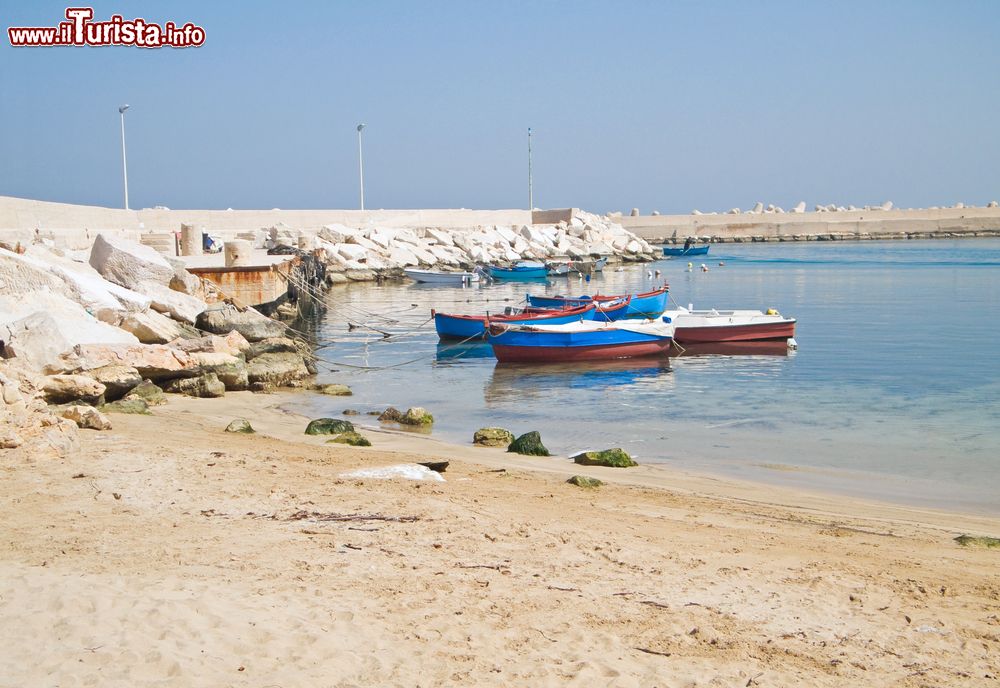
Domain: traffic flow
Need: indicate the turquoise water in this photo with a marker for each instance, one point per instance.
(894, 392)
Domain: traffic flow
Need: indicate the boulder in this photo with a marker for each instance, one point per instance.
(800, 208)
(151, 327)
(271, 345)
(757, 208)
(118, 380)
(231, 370)
(59, 389)
(129, 264)
(20, 275)
(86, 286)
(86, 417)
(334, 390)
(132, 405)
(277, 369)
(355, 439)
(207, 385)
(492, 437)
(329, 426)
(352, 251)
(635, 212)
(530, 443)
(584, 481)
(417, 416)
(153, 361)
(391, 415)
(233, 344)
(241, 425)
(614, 458)
(177, 305)
(249, 323)
(147, 392)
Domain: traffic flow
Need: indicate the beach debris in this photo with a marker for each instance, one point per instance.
(417, 415)
(131, 404)
(333, 517)
(391, 415)
(437, 466)
(241, 425)
(86, 417)
(251, 324)
(62, 388)
(585, 481)
(329, 426)
(334, 390)
(529, 444)
(614, 458)
(405, 471)
(978, 541)
(351, 437)
(208, 385)
(492, 437)
(118, 380)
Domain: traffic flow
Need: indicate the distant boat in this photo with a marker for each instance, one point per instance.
(450, 326)
(519, 271)
(441, 277)
(649, 304)
(693, 326)
(584, 341)
(689, 251)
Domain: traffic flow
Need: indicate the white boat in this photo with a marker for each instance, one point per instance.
(457, 279)
(693, 326)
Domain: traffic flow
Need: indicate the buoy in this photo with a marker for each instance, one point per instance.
(792, 344)
(658, 273)
(721, 263)
(690, 265)
(704, 268)
(649, 273)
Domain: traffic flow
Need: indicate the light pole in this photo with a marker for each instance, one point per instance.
(361, 165)
(531, 203)
(121, 111)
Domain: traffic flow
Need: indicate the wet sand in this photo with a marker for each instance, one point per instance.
(176, 558)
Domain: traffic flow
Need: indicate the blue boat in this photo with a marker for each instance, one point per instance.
(650, 304)
(525, 270)
(450, 326)
(583, 341)
(689, 251)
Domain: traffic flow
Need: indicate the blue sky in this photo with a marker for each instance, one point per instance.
(660, 105)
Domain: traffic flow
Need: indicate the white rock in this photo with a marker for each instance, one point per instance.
(506, 234)
(758, 208)
(181, 307)
(800, 208)
(151, 327)
(958, 205)
(633, 247)
(441, 236)
(992, 204)
(696, 212)
(401, 256)
(86, 417)
(887, 205)
(127, 263)
(363, 242)
(733, 211)
(352, 251)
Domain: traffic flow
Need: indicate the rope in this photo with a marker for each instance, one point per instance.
(396, 365)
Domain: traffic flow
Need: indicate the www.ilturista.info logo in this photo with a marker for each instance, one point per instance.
(79, 30)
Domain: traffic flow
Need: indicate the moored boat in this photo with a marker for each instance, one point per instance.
(451, 326)
(523, 270)
(441, 277)
(694, 326)
(584, 341)
(648, 304)
(701, 250)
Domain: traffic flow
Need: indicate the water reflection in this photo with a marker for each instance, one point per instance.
(524, 381)
(455, 353)
(765, 348)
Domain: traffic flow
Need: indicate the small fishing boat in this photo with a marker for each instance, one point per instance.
(693, 326)
(557, 269)
(457, 279)
(581, 341)
(525, 269)
(689, 251)
(649, 304)
(450, 326)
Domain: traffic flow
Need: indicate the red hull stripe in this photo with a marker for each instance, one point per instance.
(735, 333)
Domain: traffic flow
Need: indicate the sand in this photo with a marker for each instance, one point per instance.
(166, 553)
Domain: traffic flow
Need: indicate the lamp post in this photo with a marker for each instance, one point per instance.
(531, 202)
(121, 111)
(361, 165)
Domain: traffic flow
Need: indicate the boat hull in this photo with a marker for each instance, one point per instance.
(530, 345)
(473, 326)
(641, 306)
(518, 273)
(433, 277)
(735, 333)
(690, 251)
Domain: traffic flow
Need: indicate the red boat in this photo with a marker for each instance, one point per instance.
(693, 327)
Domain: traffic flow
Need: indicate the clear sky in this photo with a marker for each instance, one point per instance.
(660, 105)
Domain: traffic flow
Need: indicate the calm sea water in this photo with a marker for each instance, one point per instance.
(894, 392)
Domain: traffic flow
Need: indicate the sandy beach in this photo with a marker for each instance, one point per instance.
(167, 552)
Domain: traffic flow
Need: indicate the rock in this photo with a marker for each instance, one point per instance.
(334, 390)
(584, 481)
(153, 361)
(271, 345)
(493, 437)
(132, 404)
(179, 306)
(147, 392)
(888, 205)
(351, 412)
(352, 438)
(758, 208)
(249, 323)
(333, 278)
(615, 458)
(277, 369)
(733, 211)
(118, 380)
(992, 204)
(241, 425)
(207, 385)
(436, 466)
(9, 439)
(391, 415)
(530, 443)
(233, 344)
(800, 208)
(416, 416)
(62, 388)
(978, 541)
(329, 426)
(232, 371)
(86, 417)
(21, 275)
(151, 327)
(129, 264)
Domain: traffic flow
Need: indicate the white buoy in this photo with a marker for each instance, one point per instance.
(704, 268)
(792, 344)
(649, 273)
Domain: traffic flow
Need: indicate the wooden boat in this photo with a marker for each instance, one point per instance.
(649, 304)
(523, 270)
(457, 279)
(692, 326)
(450, 326)
(701, 250)
(576, 267)
(582, 341)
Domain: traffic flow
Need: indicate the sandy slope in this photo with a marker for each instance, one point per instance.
(195, 576)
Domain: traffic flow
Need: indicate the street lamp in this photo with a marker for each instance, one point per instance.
(531, 202)
(121, 111)
(361, 166)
